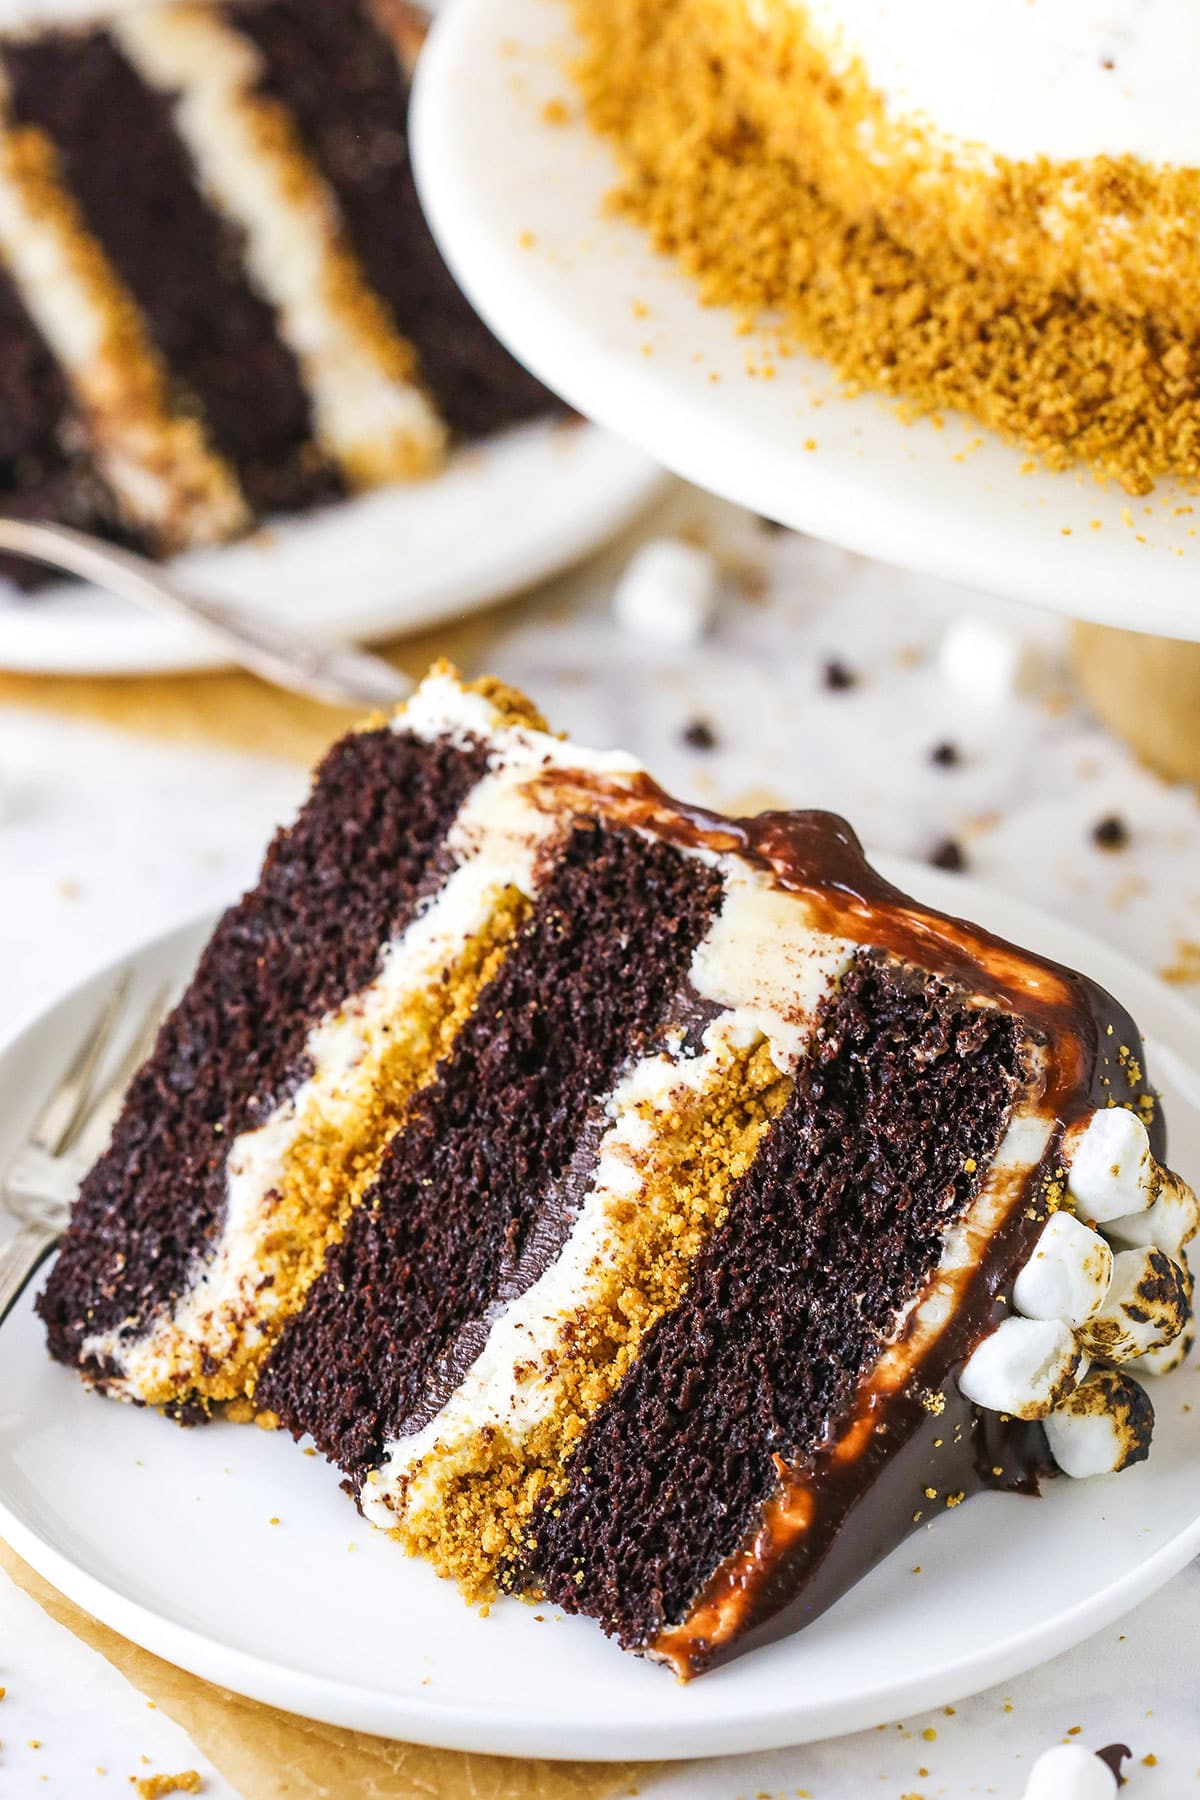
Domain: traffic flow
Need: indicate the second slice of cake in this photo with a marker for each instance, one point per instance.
(649, 1210)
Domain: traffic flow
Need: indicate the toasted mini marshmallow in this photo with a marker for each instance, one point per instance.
(1172, 1355)
(1068, 1275)
(1069, 1772)
(1167, 1357)
(1025, 1367)
(1110, 1170)
(1147, 1306)
(1104, 1426)
(1171, 1223)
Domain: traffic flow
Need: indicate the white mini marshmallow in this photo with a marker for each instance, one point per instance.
(1104, 1426)
(1025, 1367)
(1068, 1274)
(988, 664)
(1111, 1171)
(1069, 1772)
(1171, 1223)
(668, 593)
(1148, 1305)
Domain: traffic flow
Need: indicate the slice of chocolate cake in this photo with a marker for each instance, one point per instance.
(649, 1210)
(218, 296)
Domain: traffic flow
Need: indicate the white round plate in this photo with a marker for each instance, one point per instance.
(516, 204)
(503, 515)
(167, 1535)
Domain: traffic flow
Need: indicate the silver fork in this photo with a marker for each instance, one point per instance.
(68, 1135)
(338, 673)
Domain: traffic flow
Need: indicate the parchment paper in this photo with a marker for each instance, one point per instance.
(271, 1755)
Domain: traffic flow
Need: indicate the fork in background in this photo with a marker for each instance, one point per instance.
(70, 1132)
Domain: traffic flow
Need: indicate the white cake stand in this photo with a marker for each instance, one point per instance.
(516, 203)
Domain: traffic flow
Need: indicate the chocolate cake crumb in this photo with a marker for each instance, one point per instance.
(1112, 1756)
(837, 676)
(1111, 833)
(699, 735)
(946, 755)
(949, 854)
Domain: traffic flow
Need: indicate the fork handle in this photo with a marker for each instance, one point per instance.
(20, 1259)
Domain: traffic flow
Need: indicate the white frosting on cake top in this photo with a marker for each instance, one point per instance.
(1029, 78)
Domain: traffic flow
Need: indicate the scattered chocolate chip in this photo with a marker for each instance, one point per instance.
(949, 854)
(946, 755)
(699, 735)
(1113, 1755)
(1111, 833)
(837, 676)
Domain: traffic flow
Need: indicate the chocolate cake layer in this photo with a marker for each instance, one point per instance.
(343, 880)
(581, 993)
(342, 79)
(130, 176)
(45, 471)
(894, 1121)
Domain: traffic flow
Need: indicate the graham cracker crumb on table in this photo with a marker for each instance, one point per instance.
(152, 1787)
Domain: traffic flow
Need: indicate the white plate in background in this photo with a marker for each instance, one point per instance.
(165, 1535)
(503, 515)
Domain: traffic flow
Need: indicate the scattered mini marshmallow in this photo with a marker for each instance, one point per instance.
(985, 663)
(1069, 1772)
(668, 593)
(1148, 1305)
(1104, 1426)
(1110, 1170)
(1068, 1275)
(1025, 1367)
(1171, 1223)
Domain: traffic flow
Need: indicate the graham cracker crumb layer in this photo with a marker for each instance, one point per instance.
(168, 481)
(327, 1172)
(749, 160)
(467, 1504)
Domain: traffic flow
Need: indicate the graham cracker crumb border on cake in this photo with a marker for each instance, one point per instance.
(992, 308)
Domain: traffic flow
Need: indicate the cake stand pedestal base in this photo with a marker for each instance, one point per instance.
(1148, 690)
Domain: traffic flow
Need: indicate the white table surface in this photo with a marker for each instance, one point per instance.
(104, 839)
